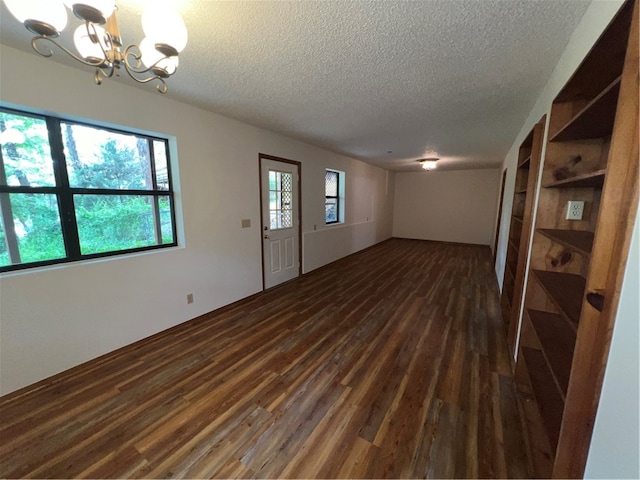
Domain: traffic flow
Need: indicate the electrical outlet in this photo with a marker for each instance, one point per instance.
(189, 297)
(575, 208)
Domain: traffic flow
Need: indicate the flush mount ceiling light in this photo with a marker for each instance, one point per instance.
(428, 163)
(98, 40)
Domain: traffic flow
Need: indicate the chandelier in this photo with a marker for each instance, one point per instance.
(98, 42)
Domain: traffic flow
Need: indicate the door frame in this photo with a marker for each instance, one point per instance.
(299, 199)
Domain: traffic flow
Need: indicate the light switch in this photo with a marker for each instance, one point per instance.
(246, 223)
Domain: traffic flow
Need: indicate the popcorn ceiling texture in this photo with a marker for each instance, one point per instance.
(450, 78)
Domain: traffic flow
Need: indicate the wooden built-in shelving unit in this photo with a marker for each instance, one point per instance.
(526, 184)
(557, 338)
(595, 119)
(550, 402)
(593, 179)
(576, 240)
(576, 266)
(565, 290)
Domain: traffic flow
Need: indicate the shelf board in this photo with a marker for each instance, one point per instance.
(509, 271)
(514, 245)
(505, 303)
(516, 217)
(548, 398)
(591, 179)
(606, 56)
(595, 120)
(525, 163)
(522, 190)
(512, 271)
(578, 240)
(565, 289)
(558, 341)
(507, 293)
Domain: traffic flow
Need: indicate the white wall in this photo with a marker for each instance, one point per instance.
(449, 206)
(614, 446)
(54, 318)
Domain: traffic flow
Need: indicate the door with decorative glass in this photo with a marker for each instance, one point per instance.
(280, 220)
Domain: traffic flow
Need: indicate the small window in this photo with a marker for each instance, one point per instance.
(280, 200)
(332, 187)
(71, 191)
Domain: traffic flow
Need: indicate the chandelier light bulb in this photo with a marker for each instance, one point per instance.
(163, 25)
(91, 49)
(94, 11)
(150, 56)
(43, 17)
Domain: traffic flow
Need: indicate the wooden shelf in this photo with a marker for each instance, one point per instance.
(550, 403)
(506, 306)
(595, 120)
(507, 291)
(521, 224)
(510, 273)
(591, 179)
(514, 245)
(558, 341)
(605, 60)
(592, 140)
(512, 270)
(577, 240)
(565, 289)
(525, 163)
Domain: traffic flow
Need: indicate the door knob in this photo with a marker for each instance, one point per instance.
(266, 228)
(266, 236)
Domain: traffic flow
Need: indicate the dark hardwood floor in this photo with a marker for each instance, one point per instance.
(391, 363)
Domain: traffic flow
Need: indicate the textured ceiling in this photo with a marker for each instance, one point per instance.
(448, 78)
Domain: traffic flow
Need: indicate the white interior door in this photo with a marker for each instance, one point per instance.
(280, 221)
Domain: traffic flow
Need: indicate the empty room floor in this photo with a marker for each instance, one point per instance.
(390, 363)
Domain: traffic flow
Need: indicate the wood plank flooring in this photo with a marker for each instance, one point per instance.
(390, 363)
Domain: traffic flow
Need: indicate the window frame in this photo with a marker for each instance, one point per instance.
(336, 197)
(64, 194)
(280, 194)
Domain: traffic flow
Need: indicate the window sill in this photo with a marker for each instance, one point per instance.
(88, 261)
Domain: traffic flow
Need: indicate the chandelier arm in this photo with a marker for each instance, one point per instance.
(103, 73)
(161, 87)
(93, 32)
(36, 46)
(48, 52)
(129, 52)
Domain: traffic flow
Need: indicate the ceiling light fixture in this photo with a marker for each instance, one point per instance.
(428, 163)
(155, 59)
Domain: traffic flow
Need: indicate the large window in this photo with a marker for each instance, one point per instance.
(332, 205)
(70, 191)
